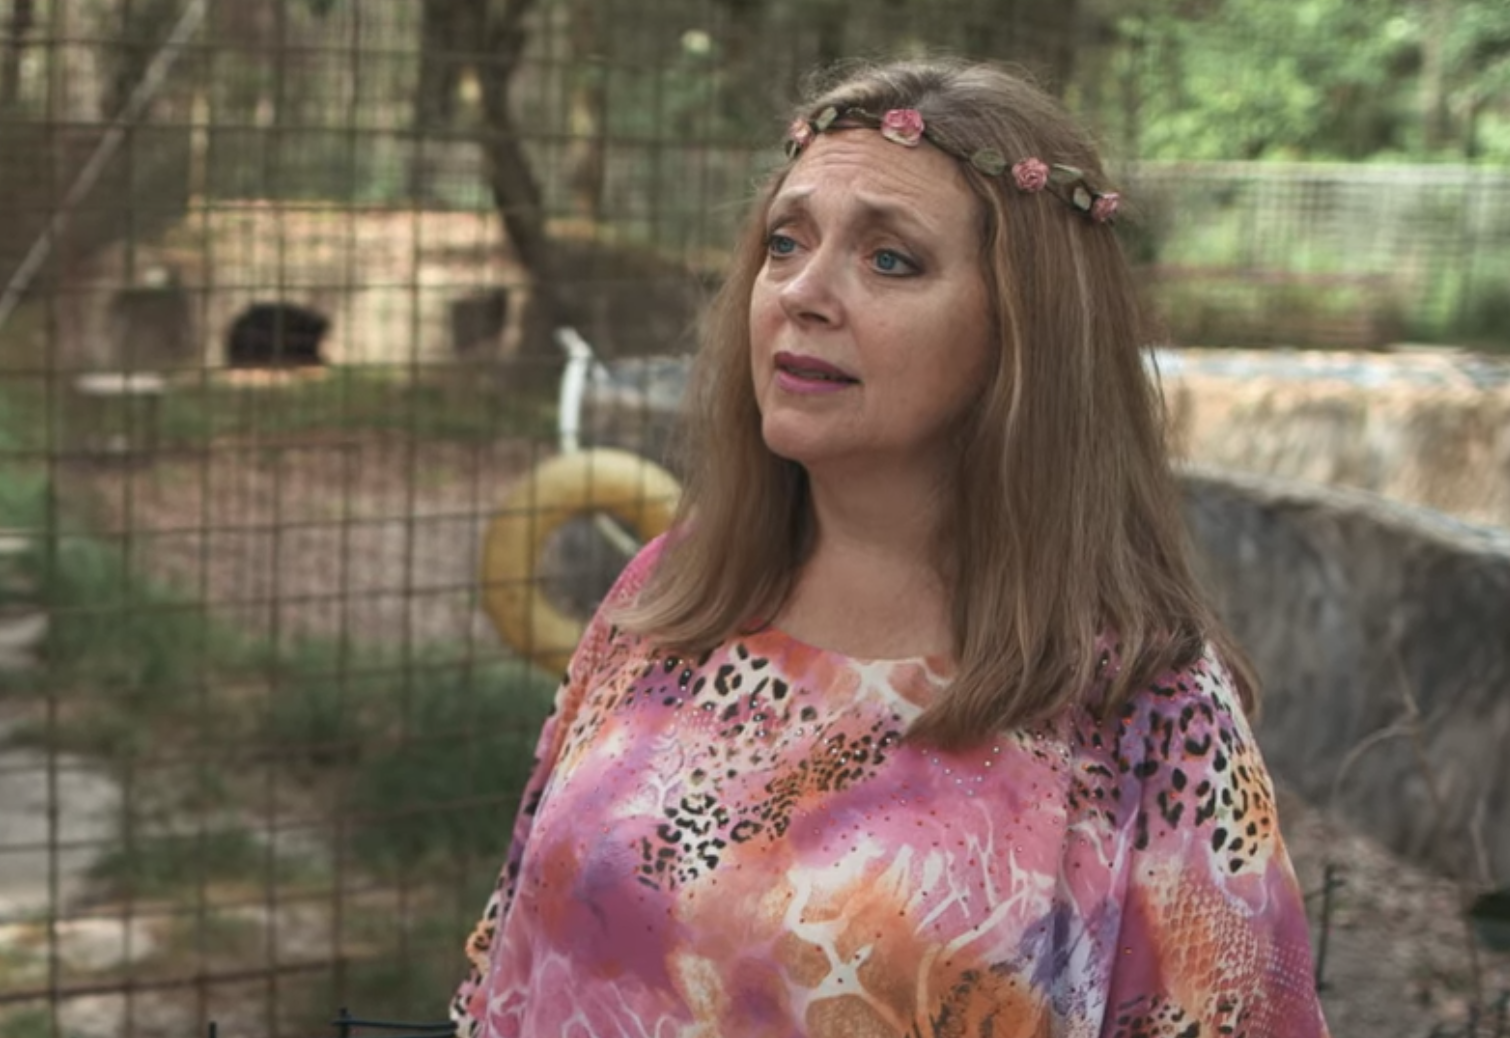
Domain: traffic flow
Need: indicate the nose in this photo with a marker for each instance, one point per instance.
(811, 294)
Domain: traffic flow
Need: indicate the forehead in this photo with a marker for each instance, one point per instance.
(864, 167)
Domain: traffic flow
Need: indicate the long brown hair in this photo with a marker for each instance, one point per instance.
(1064, 524)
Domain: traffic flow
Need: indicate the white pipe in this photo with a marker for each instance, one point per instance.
(582, 366)
(151, 83)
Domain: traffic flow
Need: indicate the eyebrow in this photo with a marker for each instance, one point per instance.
(873, 212)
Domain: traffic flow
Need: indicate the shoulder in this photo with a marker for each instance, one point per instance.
(603, 632)
(1180, 764)
(1212, 931)
(645, 561)
(636, 573)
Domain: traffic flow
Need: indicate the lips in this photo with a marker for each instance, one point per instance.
(812, 369)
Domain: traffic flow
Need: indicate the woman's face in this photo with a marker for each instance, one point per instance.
(869, 325)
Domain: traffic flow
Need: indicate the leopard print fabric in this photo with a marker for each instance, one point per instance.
(742, 844)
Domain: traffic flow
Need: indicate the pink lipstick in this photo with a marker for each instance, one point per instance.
(796, 373)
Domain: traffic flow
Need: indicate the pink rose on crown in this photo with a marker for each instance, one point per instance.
(1105, 206)
(1030, 175)
(903, 126)
(799, 133)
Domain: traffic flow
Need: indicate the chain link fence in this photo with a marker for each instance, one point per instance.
(271, 355)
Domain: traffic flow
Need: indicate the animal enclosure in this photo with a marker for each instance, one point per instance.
(280, 288)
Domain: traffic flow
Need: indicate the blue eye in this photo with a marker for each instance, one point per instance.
(780, 244)
(889, 261)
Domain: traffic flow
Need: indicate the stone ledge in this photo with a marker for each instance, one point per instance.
(1428, 426)
(1347, 602)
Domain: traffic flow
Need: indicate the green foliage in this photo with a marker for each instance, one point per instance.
(26, 1023)
(1485, 318)
(421, 743)
(1311, 79)
(1234, 308)
(159, 867)
(324, 704)
(443, 772)
(420, 966)
(438, 405)
(1468, 307)
(128, 647)
(1489, 916)
(23, 500)
(126, 656)
(423, 748)
(1249, 79)
(1476, 48)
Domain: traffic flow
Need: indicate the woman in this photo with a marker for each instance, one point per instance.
(917, 722)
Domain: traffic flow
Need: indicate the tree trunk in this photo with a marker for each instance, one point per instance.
(585, 162)
(744, 99)
(1060, 22)
(1435, 124)
(450, 35)
(273, 110)
(828, 21)
(512, 182)
(15, 44)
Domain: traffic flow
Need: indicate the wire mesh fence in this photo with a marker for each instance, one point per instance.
(271, 354)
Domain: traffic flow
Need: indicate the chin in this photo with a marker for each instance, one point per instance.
(809, 451)
(792, 444)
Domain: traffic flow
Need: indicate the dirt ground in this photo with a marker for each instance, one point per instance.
(378, 539)
(371, 537)
(1396, 959)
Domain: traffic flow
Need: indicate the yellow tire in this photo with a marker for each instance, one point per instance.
(628, 487)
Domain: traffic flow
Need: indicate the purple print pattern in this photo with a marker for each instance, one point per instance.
(741, 845)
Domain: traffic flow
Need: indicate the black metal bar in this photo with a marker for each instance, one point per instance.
(344, 1022)
(1330, 882)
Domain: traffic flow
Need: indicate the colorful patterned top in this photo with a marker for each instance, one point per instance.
(742, 845)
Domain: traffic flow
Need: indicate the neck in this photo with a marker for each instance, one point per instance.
(888, 520)
(871, 587)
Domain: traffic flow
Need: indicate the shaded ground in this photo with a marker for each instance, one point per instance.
(1396, 959)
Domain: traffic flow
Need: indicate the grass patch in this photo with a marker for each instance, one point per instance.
(165, 867)
(441, 774)
(431, 752)
(1239, 309)
(412, 964)
(26, 1023)
(1467, 310)
(415, 987)
(418, 757)
(123, 658)
(213, 937)
(426, 753)
(454, 404)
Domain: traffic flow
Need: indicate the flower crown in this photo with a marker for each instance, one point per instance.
(905, 126)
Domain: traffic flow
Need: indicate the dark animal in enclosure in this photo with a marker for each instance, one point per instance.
(276, 335)
(477, 322)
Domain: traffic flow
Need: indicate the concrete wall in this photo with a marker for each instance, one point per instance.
(1355, 608)
(1427, 426)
